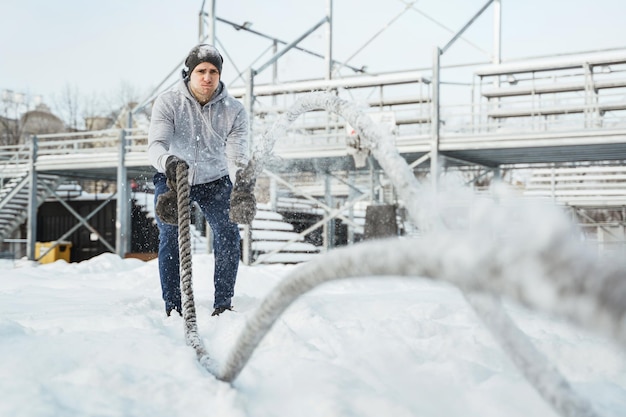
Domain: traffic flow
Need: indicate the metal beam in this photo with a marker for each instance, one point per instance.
(329, 40)
(31, 232)
(464, 28)
(291, 45)
(434, 134)
(405, 77)
(246, 246)
(122, 223)
(282, 42)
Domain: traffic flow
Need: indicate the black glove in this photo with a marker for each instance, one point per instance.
(242, 200)
(167, 207)
(170, 169)
(167, 203)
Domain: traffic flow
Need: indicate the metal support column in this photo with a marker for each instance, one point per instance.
(497, 32)
(274, 71)
(122, 223)
(351, 196)
(373, 185)
(273, 194)
(434, 133)
(246, 251)
(436, 81)
(329, 226)
(31, 232)
(497, 47)
(211, 32)
(497, 174)
(328, 58)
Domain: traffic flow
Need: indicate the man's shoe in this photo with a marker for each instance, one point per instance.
(169, 312)
(220, 310)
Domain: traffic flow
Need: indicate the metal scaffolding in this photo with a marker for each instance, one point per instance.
(521, 115)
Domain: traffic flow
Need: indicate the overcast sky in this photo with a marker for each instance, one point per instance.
(98, 46)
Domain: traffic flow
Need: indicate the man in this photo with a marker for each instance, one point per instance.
(198, 124)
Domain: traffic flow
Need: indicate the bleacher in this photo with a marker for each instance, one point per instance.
(591, 85)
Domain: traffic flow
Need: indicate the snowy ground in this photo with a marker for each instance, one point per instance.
(91, 339)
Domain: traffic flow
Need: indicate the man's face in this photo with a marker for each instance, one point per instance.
(203, 81)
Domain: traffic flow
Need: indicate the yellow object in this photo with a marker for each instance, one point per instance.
(60, 251)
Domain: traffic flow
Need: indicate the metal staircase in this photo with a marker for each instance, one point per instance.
(275, 241)
(14, 200)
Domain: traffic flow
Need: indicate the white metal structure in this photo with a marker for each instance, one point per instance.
(531, 114)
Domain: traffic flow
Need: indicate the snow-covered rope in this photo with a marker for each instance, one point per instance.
(372, 137)
(594, 304)
(184, 253)
(557, 392)
(546, 378)
(494, 270)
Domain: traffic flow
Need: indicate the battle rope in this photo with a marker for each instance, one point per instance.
(184, 252)
(481, 283)
(490, 274)
(556, 391)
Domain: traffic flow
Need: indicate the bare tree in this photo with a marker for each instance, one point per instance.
(11, 106)
(121, 102)
(81, 111)
(68, 108)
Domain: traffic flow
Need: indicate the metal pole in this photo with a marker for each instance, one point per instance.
(201, 34)
(274, 71)
(246, 252)
(464, 28)
(329, 226)
(372, 181)
(351, 196)
(201, 23)
(497, 48)
(434, 143)
(249, 104)
(329, 39)
(497, 32)
(122, 228)
(290, 46)
(282, 42)
(273, 194)
(31, 232)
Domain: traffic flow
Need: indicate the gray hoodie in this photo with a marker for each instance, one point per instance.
(212, 139)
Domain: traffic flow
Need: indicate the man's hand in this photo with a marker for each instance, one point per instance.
(167, 204)
(242, 200)
(170, 168)
(167, 207)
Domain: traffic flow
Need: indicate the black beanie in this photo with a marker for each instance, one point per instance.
(203, 53)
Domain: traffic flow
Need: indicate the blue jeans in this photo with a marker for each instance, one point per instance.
(214, 201)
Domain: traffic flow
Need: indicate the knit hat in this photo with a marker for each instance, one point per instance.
(203, 53)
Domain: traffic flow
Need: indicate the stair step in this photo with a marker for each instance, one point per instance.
(15, 211)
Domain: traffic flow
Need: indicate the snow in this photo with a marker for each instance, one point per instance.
(92, 339)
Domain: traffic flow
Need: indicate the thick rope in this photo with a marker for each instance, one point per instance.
(496, 272)
(373, 138)
(535, 367)
(184, 253)
(492, 273)
(556, 391)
